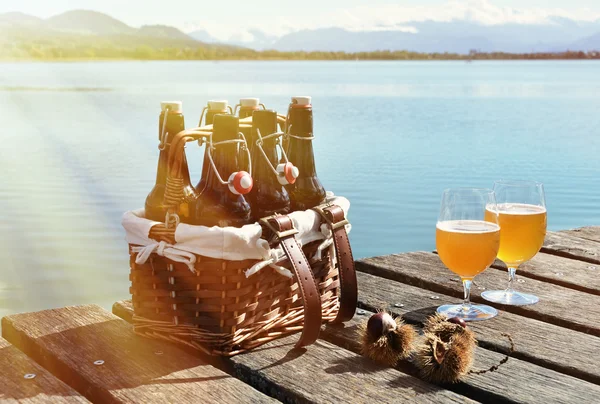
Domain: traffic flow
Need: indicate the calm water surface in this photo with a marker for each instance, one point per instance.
(79, 147)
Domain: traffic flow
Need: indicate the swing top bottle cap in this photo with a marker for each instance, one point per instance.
(249, 102)
(218, 105)
(301, 100)
(174, 106)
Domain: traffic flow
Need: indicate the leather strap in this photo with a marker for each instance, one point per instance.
(335, 218)
(284, 230)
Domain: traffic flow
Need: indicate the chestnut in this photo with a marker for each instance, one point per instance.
(380, 324)
(457, 320)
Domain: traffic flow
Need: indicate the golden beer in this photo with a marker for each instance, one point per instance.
(522, 231)
(467, 247)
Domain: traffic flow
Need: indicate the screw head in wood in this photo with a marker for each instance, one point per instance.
(521, 280)
(434, 297)
(99, 362)
(398, 305)
(361, 312)
(29, 376)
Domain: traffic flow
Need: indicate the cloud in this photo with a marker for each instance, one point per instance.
(399, 17)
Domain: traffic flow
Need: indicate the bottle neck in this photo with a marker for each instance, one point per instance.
(301, 121)
(210, 115)
(245, 112)
(175, 124)
(300, 151)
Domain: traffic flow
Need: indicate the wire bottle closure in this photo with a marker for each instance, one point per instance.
(239, 182)
(238, 105)
(206, 109)
(286, 173)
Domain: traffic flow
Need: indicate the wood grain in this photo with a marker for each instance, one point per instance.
(69, 340)
(324, 373)
(515, 381)
(569, 246)
(570, 273)
(556, 304)
(43, 388)
(570, 352)
(589, 233)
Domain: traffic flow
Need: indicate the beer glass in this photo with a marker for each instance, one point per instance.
(467, 244)
(521, 213)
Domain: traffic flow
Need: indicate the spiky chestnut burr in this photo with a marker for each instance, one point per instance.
(445, 353)
(385, 339)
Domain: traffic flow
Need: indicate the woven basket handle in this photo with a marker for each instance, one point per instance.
(284, 231)
(335, 219)
(174, 194)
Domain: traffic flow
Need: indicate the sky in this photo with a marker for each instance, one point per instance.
(225, 18)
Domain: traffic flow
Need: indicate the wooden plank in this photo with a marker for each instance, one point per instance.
(566, 272)
(566, 245)
(516, 381)
(325, 373)
(589, 233)
(547, 345)
(42, 388)
(68, 341)
(556, 304)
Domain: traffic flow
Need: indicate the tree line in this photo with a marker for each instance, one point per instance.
(55, 50)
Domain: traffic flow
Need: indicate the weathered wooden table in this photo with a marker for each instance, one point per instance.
(82, 353)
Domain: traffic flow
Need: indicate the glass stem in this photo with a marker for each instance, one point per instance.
(511, 279)
(467, 288)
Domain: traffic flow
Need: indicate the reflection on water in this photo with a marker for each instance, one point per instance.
(79, 147)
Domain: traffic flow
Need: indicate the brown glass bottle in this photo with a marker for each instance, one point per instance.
(268, 196)
(212, 108)
(307, 192)
(155, 207)
(216, 204)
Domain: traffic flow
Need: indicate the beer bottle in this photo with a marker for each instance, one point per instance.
(307, 192)
(248, 106)
(212, 108)
(170, 123)
(224, 204)
(268, 195)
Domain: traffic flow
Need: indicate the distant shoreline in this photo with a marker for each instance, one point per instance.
(328, 58)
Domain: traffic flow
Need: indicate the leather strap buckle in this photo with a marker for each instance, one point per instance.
(283, 228)
(335, 218)
(273, 225)
(323, 210)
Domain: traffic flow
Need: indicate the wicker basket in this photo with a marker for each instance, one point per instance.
(217, 309)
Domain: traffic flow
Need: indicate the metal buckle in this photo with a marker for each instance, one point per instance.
(321, 209)
(266, 221)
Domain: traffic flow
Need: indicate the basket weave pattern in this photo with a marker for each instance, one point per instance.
(219, 311)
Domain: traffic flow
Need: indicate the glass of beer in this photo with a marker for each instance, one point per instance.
(467, 244)
(521, 212)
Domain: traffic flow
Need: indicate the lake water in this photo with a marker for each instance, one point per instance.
(79, 147)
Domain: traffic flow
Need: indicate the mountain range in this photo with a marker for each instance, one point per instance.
(559, 34)
(22, 34)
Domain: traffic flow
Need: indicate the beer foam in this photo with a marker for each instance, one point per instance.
(467, 226)
(519, 209)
